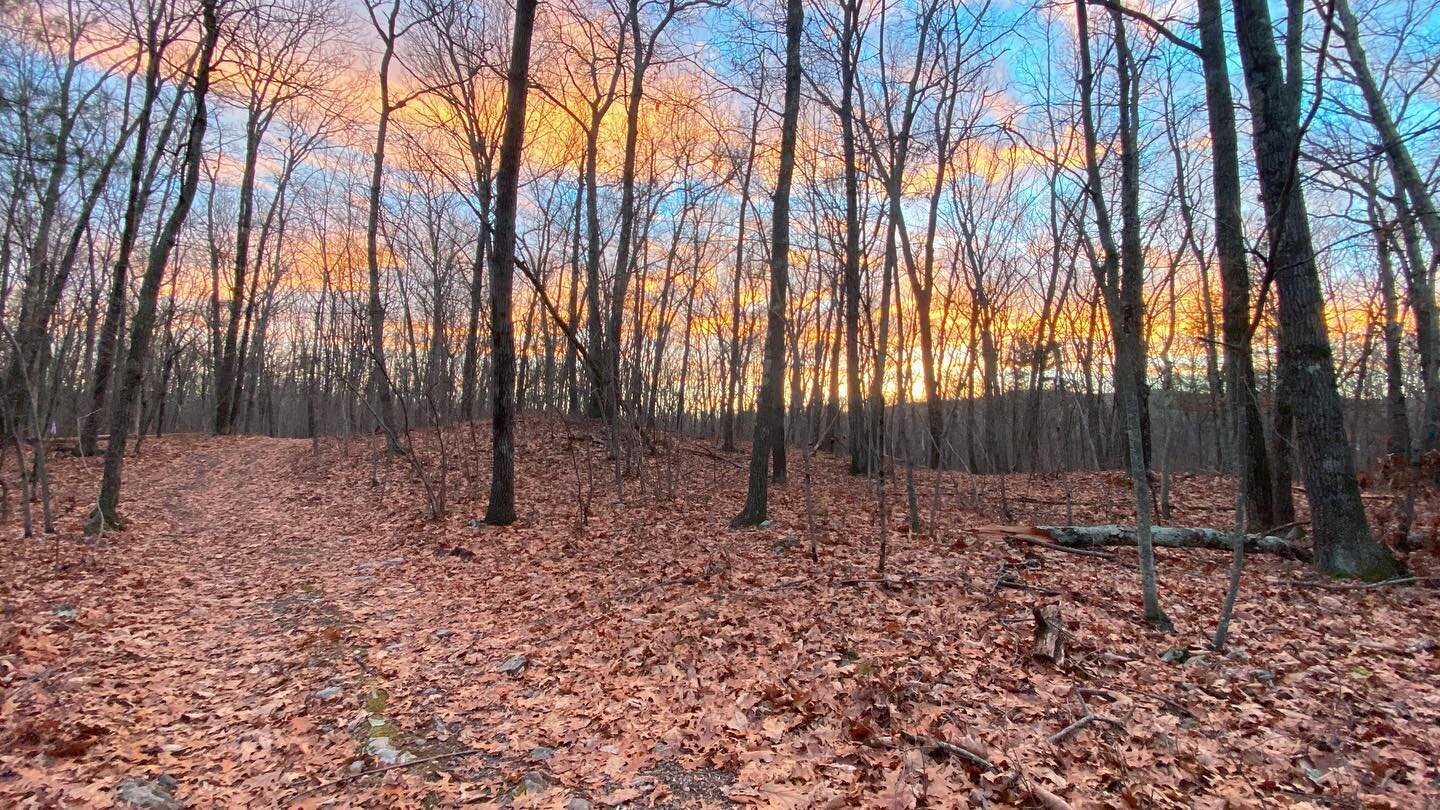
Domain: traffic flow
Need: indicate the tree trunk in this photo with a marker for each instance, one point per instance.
(860, 461)
(501, 508)
(469, 366)
(375, 306)
(1409, 181)
(142, 326)
(135, 197)
(1129, 361)
(769, 409)
(732, 378)
(1343, 543)
(1421, 293)
(1234, 272)
(1088, 537)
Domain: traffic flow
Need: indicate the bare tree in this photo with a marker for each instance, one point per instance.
(142, 324)
(1125, 322)
(769, 408)
(1343, 543)
(501, 509)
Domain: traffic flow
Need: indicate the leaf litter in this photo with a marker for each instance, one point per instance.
(269, 613)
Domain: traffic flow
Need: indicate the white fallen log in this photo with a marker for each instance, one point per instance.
(1093, 537)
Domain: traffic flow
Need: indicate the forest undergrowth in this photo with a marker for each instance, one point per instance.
(284, 623)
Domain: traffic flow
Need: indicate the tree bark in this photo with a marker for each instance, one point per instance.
(1408, 178)
(769, 409)
(732, 378)
(1234, 272)
(135, 197)
(1108, 276)
(1343, 542)
(860, 461)
(1091, 537)
(501, 508)
(143, 324)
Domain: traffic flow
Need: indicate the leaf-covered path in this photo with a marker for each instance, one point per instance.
(272, 621)
(253, 616)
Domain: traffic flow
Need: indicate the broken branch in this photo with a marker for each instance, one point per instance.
(952, 749)
(464, 752)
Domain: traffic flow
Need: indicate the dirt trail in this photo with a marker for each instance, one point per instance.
(263, 621)
(200, 653)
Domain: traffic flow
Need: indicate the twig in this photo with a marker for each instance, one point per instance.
(1009, 581)
(464, 752)
(1084, 552)
(1285, 527)
(948, 748)
(1355, 586)
(1178, 708)
(1312, 797)
(1059, 736)
(713, 456)
(904, 581)
(1423, 645)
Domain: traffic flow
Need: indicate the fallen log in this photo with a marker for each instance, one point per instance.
(1091, 537)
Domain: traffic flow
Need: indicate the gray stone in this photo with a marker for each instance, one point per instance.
(784, 544)
(393, 561)
(1175, 655)
(157, 794)
(533, 782)
(65, 611)
(327, 694)
(1264, 675)
(446, 633)
(514, 665)
(386, 753)
(541, 753)
(578, 803)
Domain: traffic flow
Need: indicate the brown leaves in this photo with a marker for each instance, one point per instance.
(668, 660)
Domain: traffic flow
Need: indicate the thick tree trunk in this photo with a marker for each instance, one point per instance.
(501, 508)
(1343, 542)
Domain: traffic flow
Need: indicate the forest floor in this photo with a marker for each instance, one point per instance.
(275, 619)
